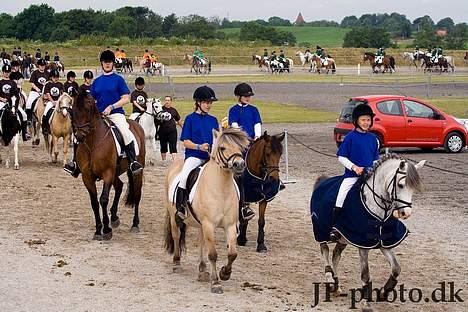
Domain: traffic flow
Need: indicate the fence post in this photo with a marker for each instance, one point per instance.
(286, 158)
(359, 69)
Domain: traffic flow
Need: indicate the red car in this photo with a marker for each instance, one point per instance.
(402, 121)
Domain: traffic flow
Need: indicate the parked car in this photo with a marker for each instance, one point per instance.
(402, 121)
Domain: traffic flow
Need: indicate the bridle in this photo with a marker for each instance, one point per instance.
(265, 169)
(387, 204)
(224, 159)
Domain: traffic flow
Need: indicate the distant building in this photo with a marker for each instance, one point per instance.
(441, 32)
(299, 20)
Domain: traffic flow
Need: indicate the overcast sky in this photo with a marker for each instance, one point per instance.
(249, 10)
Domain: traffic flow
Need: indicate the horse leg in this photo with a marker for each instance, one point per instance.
(242, 237)
(104, 200)
(203, 274)
(392, 281)
(53, 149)
(118, 186)
(66, 146)
(176, 233)
(225, 272)
(15, 149)
(91, 187)
(137, 184)
(329, 273)
(261, 247)
(209, 235)
(366, 291)
(337, 251)
(155, 150)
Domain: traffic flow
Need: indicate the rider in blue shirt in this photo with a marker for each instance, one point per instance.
(245, 116)
(359, 150)
(197, 136)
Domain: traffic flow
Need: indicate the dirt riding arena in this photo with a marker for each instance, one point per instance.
(49, 262)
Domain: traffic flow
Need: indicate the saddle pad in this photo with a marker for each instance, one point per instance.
(118, 140)
(176, 181)
(355, 223)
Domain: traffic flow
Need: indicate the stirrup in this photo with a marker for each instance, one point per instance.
(136, 168)
(72, 169)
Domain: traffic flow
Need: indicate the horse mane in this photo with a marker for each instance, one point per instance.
(276, 145)
(234, 136)
(413, 179)
(370, 53)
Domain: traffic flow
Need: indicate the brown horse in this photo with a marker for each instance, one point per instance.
(330, 64)
(215, 204)
(60, 127)
(465, 58)
(388, 63)
(262, 169)
(97, 158)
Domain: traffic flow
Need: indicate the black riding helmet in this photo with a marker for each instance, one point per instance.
(71, 74)
(41, 62)
(107, 56)
(139, 81)
(88, 74)
(15, 64)
(6, 68)
(362, 110)
(243, 89)
(54, 73)
(204, 93)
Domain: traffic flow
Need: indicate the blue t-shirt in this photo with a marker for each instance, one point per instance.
(360, 148)
(198, 128)
(246, 116)
(107, 90)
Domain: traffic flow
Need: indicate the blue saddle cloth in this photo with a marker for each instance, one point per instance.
(256, 189)
(355, 223)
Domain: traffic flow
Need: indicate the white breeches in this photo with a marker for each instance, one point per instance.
(189, 164)
(121, 123)
(133, 116)
(48, 106)
(345, 186)
(33, 95)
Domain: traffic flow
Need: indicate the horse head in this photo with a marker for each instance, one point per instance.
(228, 146)
(264, 156)
(65, 103)
(394, 180)
(84, 115)
(369, 56)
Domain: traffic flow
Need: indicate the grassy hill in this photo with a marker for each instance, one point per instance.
(330, 37)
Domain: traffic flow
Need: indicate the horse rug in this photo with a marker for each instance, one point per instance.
(355, 223)
(257, 189)
(192, 184)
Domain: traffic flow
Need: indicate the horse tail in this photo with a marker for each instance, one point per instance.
(319, 180)
(333, 68)
(130, 198)
(209, 66)
(168, 239)
(392, 62)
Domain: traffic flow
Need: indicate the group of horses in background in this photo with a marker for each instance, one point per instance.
(422, 60)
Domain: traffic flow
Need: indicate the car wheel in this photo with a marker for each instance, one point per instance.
(453, 142)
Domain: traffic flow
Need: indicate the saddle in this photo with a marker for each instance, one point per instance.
(118, 139)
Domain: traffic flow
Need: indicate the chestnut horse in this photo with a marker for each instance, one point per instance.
(261, 181)
(388, 63)
(97, 158)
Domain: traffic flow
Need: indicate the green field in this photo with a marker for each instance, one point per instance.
(330, 37)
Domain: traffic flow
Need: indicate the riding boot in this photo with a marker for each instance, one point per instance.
(29, 114)
(45, 125)
(134, 165)
(245, 212)
(334, 234)
(181, 202)
(24, 131)
(72, 167)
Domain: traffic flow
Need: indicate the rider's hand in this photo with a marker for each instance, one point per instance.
(358, 170)
(204, 147)
(107, 111)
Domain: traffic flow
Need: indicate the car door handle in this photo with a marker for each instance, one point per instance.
(377, 119)
(410, 120)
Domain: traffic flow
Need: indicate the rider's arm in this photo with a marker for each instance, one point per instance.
(139, 106)
(258, 130)
(201, 147)
(348, 164)
(124, 99)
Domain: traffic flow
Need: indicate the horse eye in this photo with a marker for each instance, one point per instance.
(400, 185)
(222, 148)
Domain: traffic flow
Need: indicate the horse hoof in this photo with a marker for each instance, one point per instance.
(135, 229)
(224, 275)
(115, 224)
(107, 236)
(262, 248)
(241, 241)
(217, 289)
(16, 167)
(204, 277)
(97, 237)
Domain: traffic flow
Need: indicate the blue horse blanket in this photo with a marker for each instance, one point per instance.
(355, 223)
(257, 189)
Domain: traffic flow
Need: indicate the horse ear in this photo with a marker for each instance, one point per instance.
(281, 136)
(420, 164)
(402, 164)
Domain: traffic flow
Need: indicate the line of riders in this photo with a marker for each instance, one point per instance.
(46, 84)
(28, 63)
(435, 54)
(320, 52)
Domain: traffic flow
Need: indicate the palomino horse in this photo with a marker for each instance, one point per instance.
(97, 158)
(147, 121)
(61, 127)
(261, 181)
(369, 218)
(304, 57)
(10, 128)
(261, 61)
(215, 204)
(327, 65)
(388, 63)
(36, 125)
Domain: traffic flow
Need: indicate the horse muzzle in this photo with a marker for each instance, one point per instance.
(402, 213)
(237, 165)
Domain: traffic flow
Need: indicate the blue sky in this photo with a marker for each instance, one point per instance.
(248, 10)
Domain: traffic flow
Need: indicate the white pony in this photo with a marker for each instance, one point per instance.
(410, 56)
(304, 57)
(147, 120)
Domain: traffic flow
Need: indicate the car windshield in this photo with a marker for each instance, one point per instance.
(347, 111)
